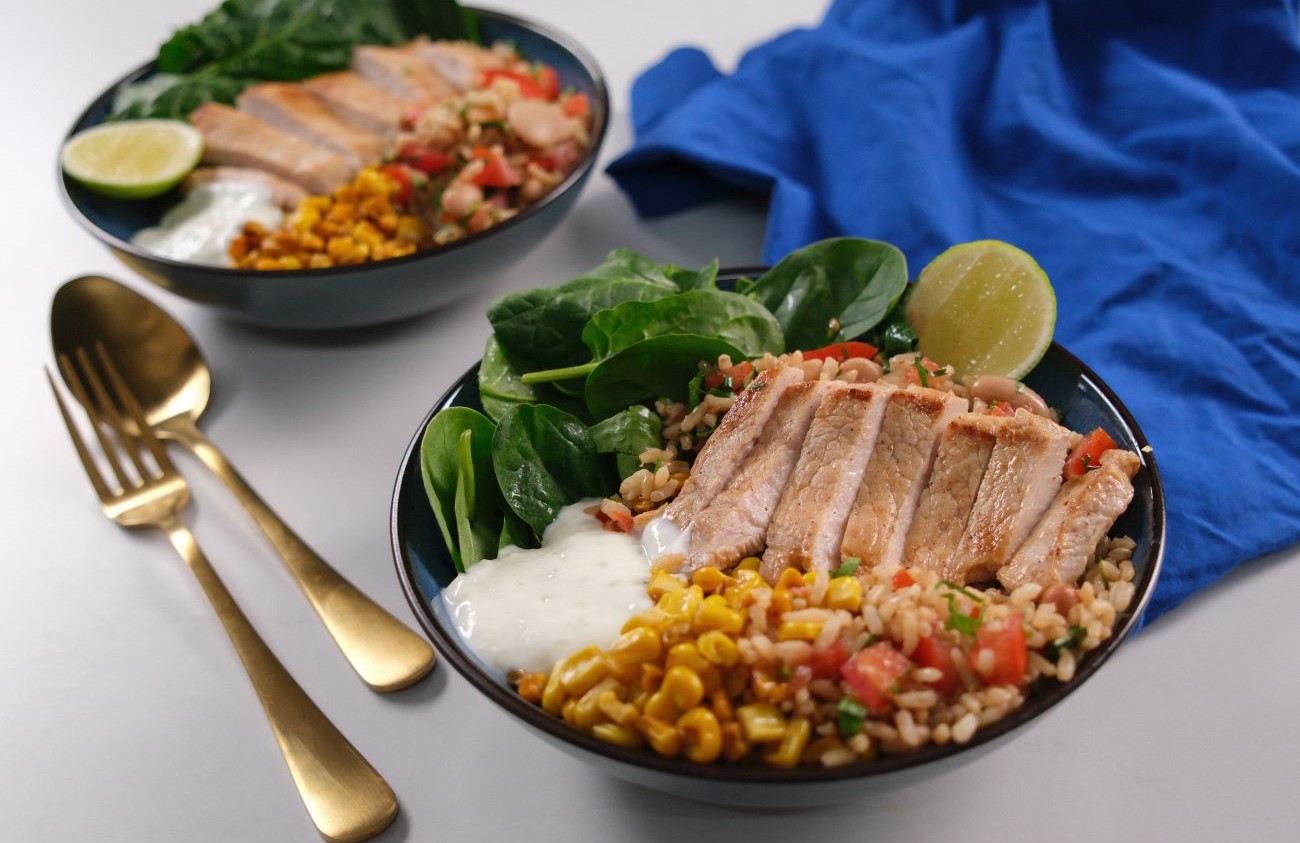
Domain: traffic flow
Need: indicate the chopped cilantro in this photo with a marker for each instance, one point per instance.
(1070, 639)
(921, 372)
(960, 588)
(850, 565)
(851, 715)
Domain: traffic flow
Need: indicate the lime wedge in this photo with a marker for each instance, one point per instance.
(133, 159)
(984, 308)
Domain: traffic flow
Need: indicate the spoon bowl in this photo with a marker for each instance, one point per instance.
(153, 351)
(161, 363)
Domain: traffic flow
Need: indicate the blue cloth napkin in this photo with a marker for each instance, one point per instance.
(1147, 153)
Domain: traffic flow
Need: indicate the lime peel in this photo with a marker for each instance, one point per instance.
(133, 159)
(984, 308)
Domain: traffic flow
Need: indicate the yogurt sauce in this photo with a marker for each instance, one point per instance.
(200, 227)
(530, 608)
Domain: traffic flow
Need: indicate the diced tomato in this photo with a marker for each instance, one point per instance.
(548, 81)
(842, 351)
(999, 408)
(401, 175)
(576, 105)
(937, 653)
(914, 377)
(619, 522)
(528, 87)
(1006, 640)
(423, 157)
(826, 661)
(497, 172)
(873, 674)
(1087, 454)
(738, 373)
(902, 579)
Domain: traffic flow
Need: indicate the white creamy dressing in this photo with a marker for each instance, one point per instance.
(200, 227)
(661, 537)
(530, 608)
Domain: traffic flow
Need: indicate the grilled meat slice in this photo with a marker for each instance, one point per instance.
(1023, 475)
(1085, 508)
(355, 100)
(293, 108)
(964, 450)
(897, 473)
(402, 71)
(457, 62)
(730, 444)
(238, 139)
(808, 524)
(735, 523)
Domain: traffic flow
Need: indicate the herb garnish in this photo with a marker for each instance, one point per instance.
(1070, 639)
(850, 565)
(958, 620)
(851, 715)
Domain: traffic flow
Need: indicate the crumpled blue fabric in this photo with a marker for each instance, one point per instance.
(1146, 153)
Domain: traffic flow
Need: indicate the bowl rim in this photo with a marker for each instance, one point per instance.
(579, 173)
(451, 648)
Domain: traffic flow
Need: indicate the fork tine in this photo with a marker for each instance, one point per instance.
(131, 405)
(108, 409)
(73, 380)
(92, 470)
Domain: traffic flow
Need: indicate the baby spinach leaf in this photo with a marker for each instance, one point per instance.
(697, 279)
(475, 536)
(832, 290)
(627, 435)
(456, 466)
(894, 335)
(246, 41)
(500, 386)
(545, 459)
(658, 367)
(514, 531)
(741, 321)
(544, 326)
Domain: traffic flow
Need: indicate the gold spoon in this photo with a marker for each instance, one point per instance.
(162, 365)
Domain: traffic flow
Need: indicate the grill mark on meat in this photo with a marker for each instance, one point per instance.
(808, 525)
(235, 138)
(359, 102)
(1083, 511)
(959, 464)
(1023, 476)
(735, 523)
(730, 444)
(896, 474)
(293, 108)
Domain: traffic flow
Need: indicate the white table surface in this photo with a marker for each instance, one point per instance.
(124, 713)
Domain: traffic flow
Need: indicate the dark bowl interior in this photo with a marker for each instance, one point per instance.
(425, 568)
(366, 294)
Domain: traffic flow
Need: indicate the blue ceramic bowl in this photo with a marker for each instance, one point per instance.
(367, 294)
(425, 568)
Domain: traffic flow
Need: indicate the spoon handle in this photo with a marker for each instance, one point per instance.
(386, 654)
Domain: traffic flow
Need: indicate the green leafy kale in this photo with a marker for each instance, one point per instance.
(243, 42)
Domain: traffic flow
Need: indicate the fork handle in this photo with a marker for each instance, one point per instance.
(385, 653)
(346, 798)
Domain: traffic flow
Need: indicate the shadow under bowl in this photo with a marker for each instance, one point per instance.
(365, 294)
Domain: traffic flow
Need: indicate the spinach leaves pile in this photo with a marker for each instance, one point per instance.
(571, 372)
(242, 42)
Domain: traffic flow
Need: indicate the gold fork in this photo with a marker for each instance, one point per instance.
(346, 798)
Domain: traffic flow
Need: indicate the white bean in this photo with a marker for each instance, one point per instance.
(991, 388)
